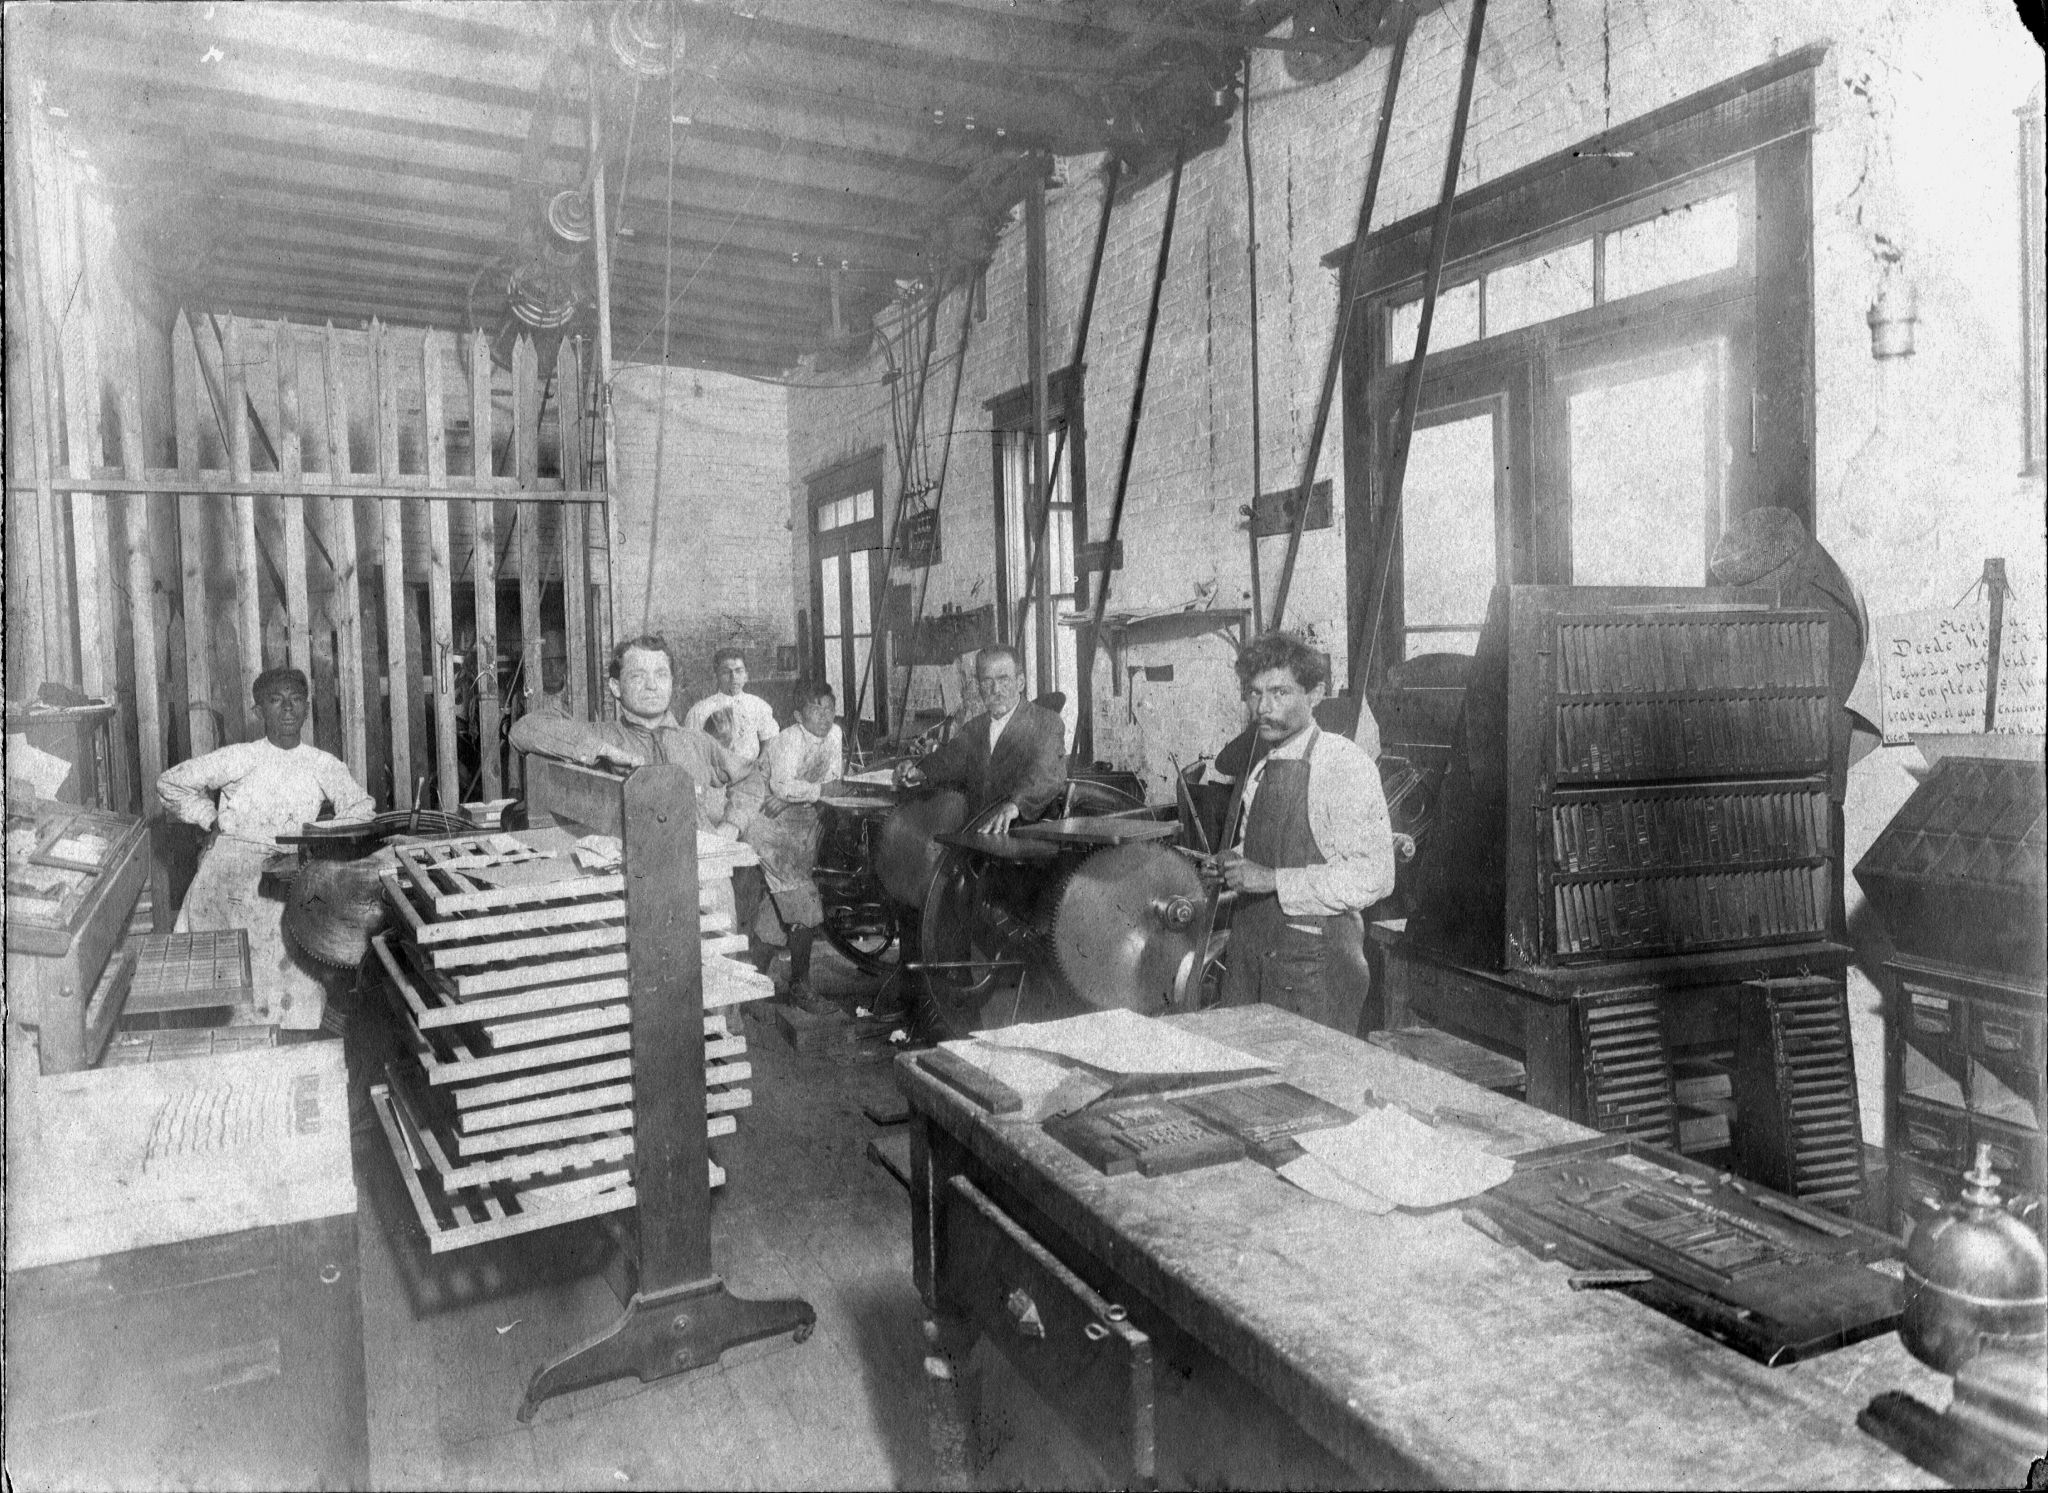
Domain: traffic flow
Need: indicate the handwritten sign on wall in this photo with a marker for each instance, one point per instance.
(1933, 670)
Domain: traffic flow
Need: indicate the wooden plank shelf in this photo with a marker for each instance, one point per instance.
(513, 1108)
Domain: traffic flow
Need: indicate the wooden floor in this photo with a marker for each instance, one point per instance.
(450, 1341)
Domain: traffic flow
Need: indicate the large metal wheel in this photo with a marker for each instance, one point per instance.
(1121, 926)
(960, 950)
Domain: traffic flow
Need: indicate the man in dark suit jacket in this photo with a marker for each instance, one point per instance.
(1023, 773)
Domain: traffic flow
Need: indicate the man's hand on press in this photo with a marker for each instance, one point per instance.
(908, 774)
(1000, 818)
(1248, 877)
(624, 758)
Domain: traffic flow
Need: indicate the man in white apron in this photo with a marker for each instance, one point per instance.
(265, 788)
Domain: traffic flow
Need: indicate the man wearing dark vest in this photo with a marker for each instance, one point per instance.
(1315, 849)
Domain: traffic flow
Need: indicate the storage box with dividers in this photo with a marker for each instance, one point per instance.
(507, 967)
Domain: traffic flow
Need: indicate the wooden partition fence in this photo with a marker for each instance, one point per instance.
(357, 504)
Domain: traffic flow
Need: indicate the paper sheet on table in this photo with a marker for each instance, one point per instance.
(1390, 1152)
(43, 771)
(1127, 1044)
(1313, 1175)
(1046, 1085)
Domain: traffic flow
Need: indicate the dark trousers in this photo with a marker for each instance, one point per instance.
(1276, 960)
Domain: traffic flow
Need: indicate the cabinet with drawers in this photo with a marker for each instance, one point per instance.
(1958, 879)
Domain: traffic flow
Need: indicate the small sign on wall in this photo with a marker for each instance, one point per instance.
(1273, 512)
(1934, 671)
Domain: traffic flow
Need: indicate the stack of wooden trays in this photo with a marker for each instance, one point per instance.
(507, 969)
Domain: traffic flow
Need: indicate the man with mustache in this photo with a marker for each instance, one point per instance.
(1312, 847)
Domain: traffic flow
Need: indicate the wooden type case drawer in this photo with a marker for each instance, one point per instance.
(1933, 1135)
(1067, 1342)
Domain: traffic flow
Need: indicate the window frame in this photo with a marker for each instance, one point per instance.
(856, 475)
(1010, 414)
(1751, 132)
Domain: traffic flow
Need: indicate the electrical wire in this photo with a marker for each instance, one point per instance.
(1251, 256)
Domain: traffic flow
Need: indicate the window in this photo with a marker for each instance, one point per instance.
(848, 561)
(1029, 616)
(1620, 364)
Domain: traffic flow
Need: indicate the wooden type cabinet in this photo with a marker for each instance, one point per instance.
(1601, 1041)
(65, 983)
(1964, 1066)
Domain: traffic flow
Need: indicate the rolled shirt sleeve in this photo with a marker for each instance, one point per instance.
(790, 753)
(187, 788)
(1347, 813)
(344, 792)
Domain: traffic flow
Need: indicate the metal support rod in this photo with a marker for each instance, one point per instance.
(1251, 276)
(601, 265)
(909, 444)
(1034, 361)
(924, 576)
(1123, 474)
(1347, 296)
(1111, 167)
(1411, 395)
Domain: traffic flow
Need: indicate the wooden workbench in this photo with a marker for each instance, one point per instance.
(1295, 1341)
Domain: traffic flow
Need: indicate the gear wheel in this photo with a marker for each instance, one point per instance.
(1116, 928)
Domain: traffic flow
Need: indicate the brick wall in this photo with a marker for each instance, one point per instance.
(703, 555)
(1917, 149)
(1917, 144)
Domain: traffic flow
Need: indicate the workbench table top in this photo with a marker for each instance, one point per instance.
(1415, 1334)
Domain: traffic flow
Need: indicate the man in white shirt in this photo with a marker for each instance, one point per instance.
(266, 788)
(1313, 849)
(753, 718)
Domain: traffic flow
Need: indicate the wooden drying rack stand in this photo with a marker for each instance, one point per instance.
(679, 1314)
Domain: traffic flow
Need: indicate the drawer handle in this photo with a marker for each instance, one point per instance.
(1999, 1037)
(1024, 1312)
(2005, 1158)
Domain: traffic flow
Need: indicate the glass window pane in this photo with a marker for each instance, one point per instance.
(862, 647)
(1673, 246)
(1447, 523)
(864, 506)
(1643, 509)
(857, 572)
(1455, 324)
(828, 619)
(1540, 289)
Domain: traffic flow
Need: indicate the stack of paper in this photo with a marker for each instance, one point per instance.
(1393, 1160)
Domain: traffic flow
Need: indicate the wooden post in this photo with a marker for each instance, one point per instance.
(34, 561)
(397, 688)
(291, 507)
(440, 595)
(204, 717)
(348, 594)
(79, 356)
(574, 527)
(141, 546)
(248, 562)
(525, 467)
(484, 568)
(1996, 588)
